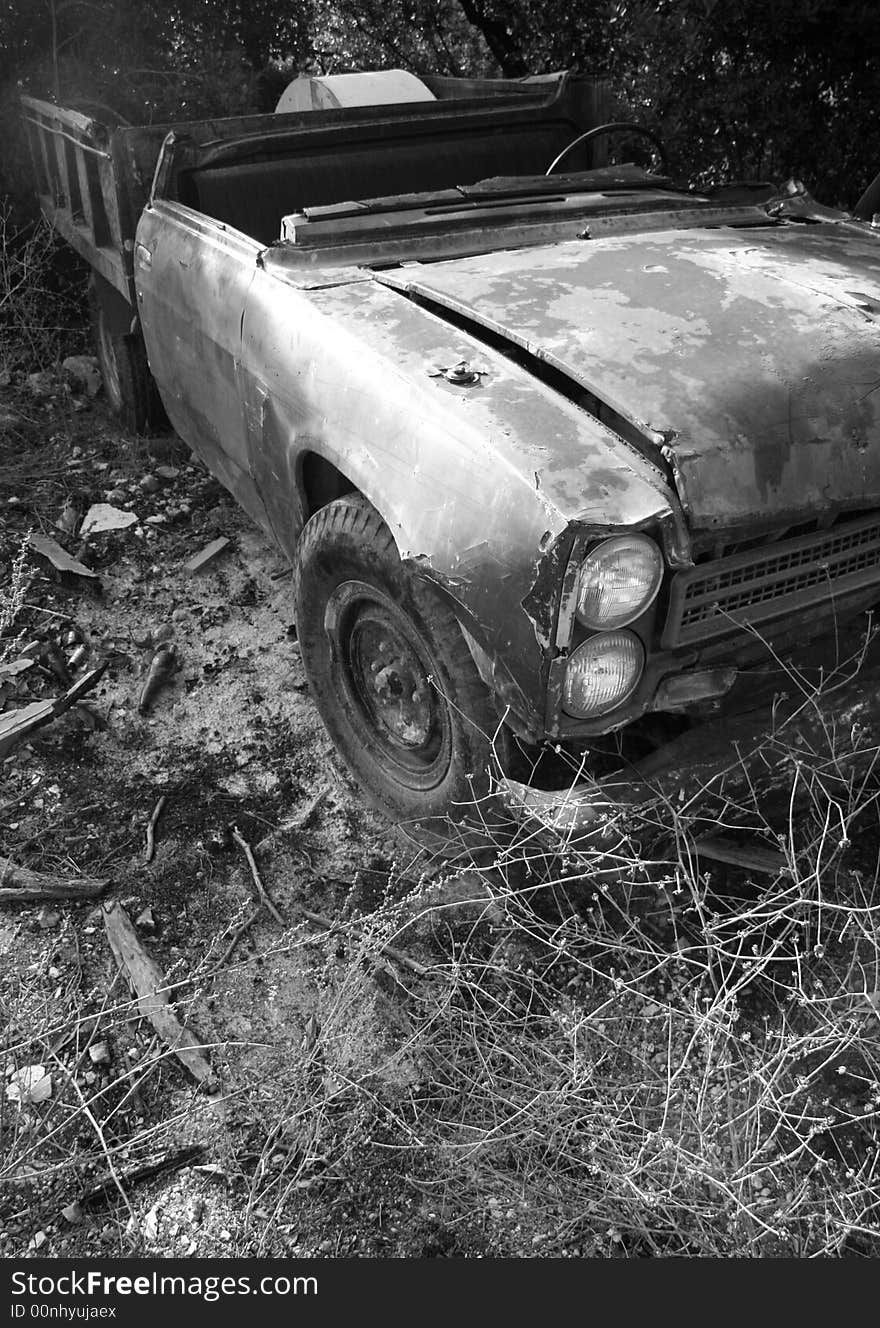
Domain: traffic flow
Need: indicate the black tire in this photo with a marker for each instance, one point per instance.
(128, 384)
(391, 674)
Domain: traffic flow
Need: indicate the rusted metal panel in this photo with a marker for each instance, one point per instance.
(754, 355)
(77, 186)
(475, 482)
(192, 277)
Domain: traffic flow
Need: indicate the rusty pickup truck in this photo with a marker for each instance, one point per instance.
(567, 457)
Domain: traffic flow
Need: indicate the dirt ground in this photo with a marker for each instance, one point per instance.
(509, 1052)
(233, 744)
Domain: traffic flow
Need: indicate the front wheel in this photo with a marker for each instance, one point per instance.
(391, 674)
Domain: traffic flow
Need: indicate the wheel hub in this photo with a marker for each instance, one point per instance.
(394, 686)
(383, 673)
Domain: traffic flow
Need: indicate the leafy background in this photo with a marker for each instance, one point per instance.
(738, 88)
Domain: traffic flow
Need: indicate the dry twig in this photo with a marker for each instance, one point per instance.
(258, 884)
(151, 829)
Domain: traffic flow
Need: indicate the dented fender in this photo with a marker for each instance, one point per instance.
(481, 484)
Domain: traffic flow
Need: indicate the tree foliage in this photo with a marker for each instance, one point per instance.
(739, 88)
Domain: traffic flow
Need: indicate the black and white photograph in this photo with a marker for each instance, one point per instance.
(439, 654)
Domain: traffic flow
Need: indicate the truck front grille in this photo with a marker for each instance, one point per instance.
(787, 578)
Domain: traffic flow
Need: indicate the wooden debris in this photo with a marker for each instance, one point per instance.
(60, 559)
(205, 556)
(20, 885)
(237, 935)
(258, 884)
(149, 986)
(109, 1188)
(162, 665)
(17, 725)
(750, 856)
(16, 666)
(151, 829)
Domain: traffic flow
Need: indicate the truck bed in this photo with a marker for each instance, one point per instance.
(94, 181)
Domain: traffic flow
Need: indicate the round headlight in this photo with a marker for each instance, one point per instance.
(618, 581)
(602, 673)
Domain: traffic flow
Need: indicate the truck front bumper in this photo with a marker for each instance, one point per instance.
(829, 736)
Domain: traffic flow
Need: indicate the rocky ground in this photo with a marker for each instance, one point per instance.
(233, 746)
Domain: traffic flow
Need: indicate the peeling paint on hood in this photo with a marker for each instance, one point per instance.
(755, 353)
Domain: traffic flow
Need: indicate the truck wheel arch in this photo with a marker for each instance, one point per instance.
(320, 483)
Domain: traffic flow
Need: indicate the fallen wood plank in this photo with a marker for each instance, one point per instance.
(149, 985)
(20, 885)
(203, 559)
(17, 725)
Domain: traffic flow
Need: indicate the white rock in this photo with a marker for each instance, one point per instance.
(103, 517)
(29, 1085)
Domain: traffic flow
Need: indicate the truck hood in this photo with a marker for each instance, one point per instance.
(752, 354)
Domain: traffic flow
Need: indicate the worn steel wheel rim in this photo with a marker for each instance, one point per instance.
(382, 673)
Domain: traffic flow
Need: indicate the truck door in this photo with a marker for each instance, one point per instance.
(192, 276)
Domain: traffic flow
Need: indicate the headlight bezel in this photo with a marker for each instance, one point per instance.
(631, 614)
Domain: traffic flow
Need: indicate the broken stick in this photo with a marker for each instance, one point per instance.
(151, 829)
(258, 884)
(237, 935)
(108, 1189)
(150, 987)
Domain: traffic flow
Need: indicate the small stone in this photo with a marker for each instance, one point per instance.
(145, 919)
(47, 918)
(157, 520)
(83, 372)
(99, 1053)
(38, 1239)
(167, 473)
(179, 615)
(72, 1213)
(116, 496)
(90, 1077)
(149, 483)
(5, 378)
